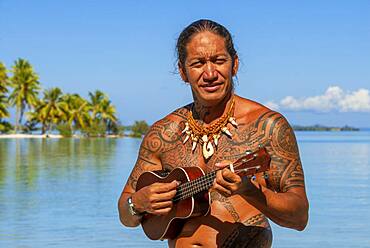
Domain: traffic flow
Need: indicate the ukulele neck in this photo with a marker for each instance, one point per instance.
(188, 189)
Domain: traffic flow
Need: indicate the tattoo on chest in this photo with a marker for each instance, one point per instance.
(270, 130)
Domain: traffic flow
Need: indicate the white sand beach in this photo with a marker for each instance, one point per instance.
(23, 136)
(52, 136)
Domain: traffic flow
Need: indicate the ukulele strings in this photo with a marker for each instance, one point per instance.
(190, 188)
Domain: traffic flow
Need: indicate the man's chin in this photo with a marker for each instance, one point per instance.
(210, 100)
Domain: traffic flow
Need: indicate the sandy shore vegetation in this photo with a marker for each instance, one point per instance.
(51, 136)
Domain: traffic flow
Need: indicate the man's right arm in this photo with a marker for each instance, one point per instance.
(155, 198)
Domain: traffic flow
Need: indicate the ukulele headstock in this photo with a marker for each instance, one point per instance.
(252, 163)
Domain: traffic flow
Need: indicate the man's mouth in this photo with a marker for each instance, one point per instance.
(211, 87)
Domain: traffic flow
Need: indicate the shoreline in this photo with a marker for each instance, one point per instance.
(49, 136)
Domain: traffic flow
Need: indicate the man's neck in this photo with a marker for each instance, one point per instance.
(206, 114)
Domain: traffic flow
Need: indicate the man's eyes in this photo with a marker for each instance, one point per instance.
(197, 64)
(200, 63)
(220, 61)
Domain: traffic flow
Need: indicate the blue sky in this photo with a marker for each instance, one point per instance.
(308, 59)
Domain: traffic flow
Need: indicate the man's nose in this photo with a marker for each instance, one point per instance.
(210, 73)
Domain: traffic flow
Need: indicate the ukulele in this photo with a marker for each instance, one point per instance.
(192, 197)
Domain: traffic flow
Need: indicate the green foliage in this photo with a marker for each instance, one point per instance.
(139, 129)
(65, 130)
(67, 113)
(30, 126)
(48, 111)
(95, 130)
(103, 110)
(4, 79)
(4, 83)
(117, 129)
(25, 86)
(5, 127)
(76, 111)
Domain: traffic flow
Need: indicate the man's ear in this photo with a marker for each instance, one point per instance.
(235, 65)
(182, 73)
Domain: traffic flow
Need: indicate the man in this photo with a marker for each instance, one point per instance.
(216, 129)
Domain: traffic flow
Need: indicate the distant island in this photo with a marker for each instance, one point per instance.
(318, 127)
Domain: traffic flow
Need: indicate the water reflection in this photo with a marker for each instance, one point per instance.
(4, 154)
(25, 159)
(63, 192)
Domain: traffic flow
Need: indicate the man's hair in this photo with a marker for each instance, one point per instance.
(198, 27)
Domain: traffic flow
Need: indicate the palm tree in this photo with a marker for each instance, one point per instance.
(4, 83)
(49, 110)
(75, 111)
(96, 99)
(25, 86)
(108, 114)
(102, 109)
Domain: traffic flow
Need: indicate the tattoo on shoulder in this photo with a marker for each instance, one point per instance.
(272, 131)
(162, 136)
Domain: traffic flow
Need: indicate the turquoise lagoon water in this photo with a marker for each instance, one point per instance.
(63, 193)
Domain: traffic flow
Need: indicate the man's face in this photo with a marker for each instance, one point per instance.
(208, 68)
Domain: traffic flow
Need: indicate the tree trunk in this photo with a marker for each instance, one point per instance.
(16, 120)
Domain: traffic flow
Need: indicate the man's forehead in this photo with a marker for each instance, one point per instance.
(206, 43)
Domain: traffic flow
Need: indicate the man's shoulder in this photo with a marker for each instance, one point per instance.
(176, 117)
(255, 111)
(170, 127)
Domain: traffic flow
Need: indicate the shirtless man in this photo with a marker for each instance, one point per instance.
(240, 207)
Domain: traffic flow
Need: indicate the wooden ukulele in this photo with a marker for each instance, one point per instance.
(192, 197)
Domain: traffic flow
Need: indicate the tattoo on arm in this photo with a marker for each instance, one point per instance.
(162, 136)
(285, 155)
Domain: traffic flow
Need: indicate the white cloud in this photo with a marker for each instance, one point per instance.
(272, 105)
(333, 99)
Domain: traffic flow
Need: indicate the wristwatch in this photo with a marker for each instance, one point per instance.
(131, 207)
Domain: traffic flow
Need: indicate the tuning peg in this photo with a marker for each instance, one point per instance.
(248, 152)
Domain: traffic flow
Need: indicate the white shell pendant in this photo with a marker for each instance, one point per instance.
(186, 128)
(195, 142)
(208, 150)
(226, 131)
(187, 137)
(232, 120)
(215, 139)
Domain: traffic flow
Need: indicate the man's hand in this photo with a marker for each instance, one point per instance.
(156, 198)
(226, 181)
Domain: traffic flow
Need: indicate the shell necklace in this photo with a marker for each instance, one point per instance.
(208, 136)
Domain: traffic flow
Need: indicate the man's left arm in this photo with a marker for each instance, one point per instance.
(288, 206)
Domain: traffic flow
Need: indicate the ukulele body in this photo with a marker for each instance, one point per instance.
(169, 226)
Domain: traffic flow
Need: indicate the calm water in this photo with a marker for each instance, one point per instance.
(63, 193)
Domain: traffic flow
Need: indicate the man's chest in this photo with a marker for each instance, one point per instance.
(243, 140)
